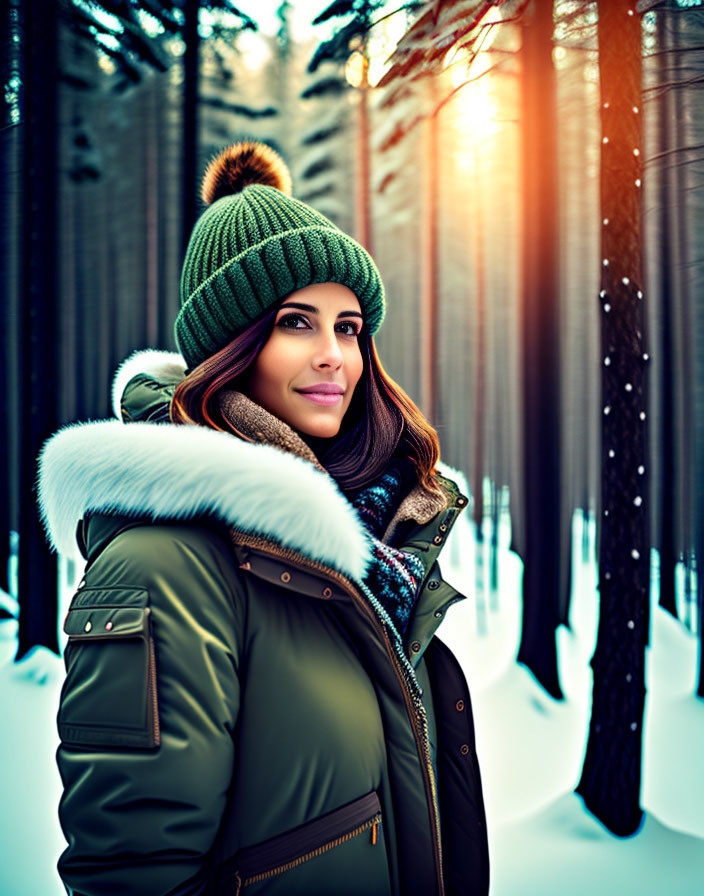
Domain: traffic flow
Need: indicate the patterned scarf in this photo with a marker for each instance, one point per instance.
(394, 576)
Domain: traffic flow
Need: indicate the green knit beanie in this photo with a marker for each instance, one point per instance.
(254, 245)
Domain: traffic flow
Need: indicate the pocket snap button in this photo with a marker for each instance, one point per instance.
(459, 706)
(285, 576)
(464, 749)
(415, 646)
(433, 584)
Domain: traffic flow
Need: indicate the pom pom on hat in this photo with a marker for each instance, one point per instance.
(240, 165)
(255, 244)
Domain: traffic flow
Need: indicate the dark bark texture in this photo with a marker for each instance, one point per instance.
(541, 576)
(666, 537)
(38, 336)
(610, 783)
(190, 117)
(8, 210)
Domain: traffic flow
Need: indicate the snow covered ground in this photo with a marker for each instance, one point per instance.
(542, 841)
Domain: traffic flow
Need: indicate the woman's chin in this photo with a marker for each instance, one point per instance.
(317, 429)
(328, 431)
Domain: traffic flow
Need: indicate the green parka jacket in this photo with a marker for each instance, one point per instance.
(239, 714)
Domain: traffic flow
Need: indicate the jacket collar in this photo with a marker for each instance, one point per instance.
(258, 425)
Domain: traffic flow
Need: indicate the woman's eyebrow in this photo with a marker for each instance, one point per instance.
(315, 310)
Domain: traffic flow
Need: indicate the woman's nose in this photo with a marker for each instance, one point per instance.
(328, 352)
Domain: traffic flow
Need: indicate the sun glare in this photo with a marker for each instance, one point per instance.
(473, 104)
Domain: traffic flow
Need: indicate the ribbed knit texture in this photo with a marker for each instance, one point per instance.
(393, 576)
(252, 249)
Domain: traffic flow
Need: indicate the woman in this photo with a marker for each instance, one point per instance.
(255, 699)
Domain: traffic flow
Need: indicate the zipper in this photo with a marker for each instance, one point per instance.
(291, 848)
(319, 850)
(151, 686)
(424, 742)
(428, 773)
(371, 607)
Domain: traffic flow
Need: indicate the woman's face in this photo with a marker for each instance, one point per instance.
(307, 370)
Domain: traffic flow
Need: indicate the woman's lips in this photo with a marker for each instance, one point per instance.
(326, 398)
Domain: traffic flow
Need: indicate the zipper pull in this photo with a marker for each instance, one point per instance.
(374, 833)
(238, 882)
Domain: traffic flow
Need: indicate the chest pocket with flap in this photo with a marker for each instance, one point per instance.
(109, 698)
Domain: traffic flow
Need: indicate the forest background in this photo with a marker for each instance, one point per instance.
(529, 178)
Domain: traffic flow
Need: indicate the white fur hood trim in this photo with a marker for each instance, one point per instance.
(153, 362)
(183, 472)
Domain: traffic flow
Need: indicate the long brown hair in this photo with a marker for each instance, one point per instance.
(381, 421)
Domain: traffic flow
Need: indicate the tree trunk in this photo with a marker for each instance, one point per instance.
(700, 590)
(363, 173)
(429, 264)
(696, 201)
(667, 436)
(541, 576)
(38, 334)
(610, 783)
(153, 246)
(8, 284)
(494, 546)
(480, 422)
(190, 119)
(685, 344)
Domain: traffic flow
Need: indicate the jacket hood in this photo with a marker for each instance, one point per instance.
(167, 368)
(183, 472)
(164, 471)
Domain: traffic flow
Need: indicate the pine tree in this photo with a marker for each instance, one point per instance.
(610, 782)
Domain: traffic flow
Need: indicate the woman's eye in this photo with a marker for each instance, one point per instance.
(298, 322)
(289, 322)
(352, 328)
